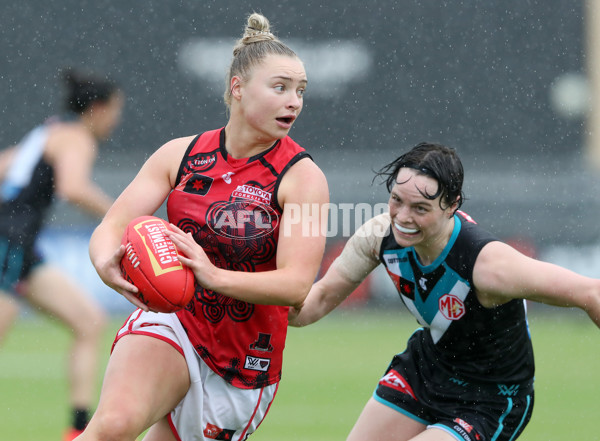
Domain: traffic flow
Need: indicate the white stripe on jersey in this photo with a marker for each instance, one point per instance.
(29, 152)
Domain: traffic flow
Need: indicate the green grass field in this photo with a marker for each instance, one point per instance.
(331, 369)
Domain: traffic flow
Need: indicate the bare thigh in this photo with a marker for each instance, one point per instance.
(145, 379)
(434, 434)
(378, 422)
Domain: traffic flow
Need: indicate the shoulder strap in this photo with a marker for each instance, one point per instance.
(186, 154)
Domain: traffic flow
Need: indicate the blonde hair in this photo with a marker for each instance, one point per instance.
(249, 51)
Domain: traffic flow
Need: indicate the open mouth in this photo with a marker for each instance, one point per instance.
(286, 119)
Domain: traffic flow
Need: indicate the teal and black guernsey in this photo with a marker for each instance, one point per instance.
(459, 335)
(27, 191)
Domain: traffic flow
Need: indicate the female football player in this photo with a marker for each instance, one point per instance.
(467, 374)
(239, 198)
(56, 158)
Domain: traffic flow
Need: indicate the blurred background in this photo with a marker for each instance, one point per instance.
(512, 85)
(507, 84)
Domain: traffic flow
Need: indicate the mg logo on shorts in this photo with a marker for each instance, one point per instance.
(257, 363)
(451, 307)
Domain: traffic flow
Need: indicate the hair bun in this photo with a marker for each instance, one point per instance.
(257, 29)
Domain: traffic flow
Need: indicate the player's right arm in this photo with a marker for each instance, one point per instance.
(324, 296)
(143, 196)
(356, 261)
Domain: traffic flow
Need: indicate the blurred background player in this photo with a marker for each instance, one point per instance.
(240, 198)
(56, 158)
(467, 374)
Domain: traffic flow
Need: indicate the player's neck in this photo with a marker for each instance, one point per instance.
(243, 142)
(431, 250)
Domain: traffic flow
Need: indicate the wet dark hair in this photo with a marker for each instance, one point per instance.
(84, 89)
(436, 161)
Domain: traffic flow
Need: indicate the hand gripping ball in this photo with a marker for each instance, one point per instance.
(150, 263)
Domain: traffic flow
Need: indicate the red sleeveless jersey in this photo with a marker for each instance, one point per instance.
(230, 207)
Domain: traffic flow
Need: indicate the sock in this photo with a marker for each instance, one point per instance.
(81, 417)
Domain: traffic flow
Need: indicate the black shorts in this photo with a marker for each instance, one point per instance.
(468, 411)
(16, 262)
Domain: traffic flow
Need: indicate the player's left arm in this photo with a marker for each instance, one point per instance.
(303, 194)
(501, 273)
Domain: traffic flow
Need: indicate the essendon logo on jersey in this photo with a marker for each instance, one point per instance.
(451, 307)
(195, 183)
(257, 363)
(394, 380)
(251, 192)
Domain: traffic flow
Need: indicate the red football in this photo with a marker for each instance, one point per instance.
(150, 263)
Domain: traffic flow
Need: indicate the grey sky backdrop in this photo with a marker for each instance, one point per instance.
(483, 77)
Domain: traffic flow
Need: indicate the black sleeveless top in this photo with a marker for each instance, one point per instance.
(459, 335)
(27, 191)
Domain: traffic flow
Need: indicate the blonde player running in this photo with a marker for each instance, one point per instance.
(211, 371)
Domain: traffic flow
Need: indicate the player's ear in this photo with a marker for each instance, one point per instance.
(235, 87)
(453, 208)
